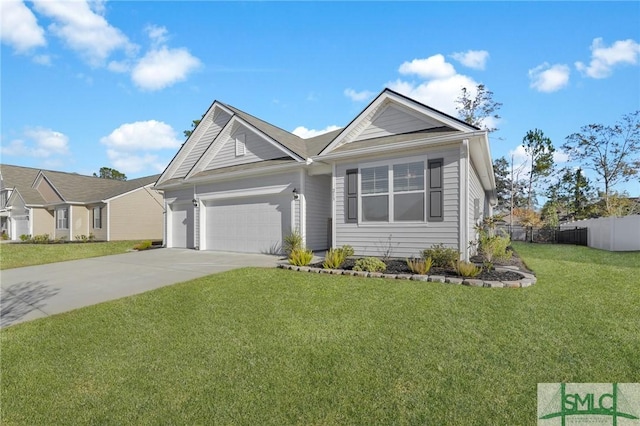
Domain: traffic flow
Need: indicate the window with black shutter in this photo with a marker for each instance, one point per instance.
(351, 199)
(435, 190)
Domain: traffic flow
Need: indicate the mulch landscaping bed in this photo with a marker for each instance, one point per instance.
(399, 266)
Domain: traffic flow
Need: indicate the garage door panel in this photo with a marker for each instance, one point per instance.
(253, 225)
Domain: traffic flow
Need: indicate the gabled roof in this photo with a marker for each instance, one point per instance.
(72, 188)
(364, 131)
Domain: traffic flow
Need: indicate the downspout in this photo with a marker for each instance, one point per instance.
(196, 219)
(165, 226)
(464, 200)
(303, 208)
(333, 204)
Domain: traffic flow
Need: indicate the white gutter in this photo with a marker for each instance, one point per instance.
(416, 143)
(233, 175)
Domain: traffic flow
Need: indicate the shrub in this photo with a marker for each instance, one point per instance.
(5, 236)
(292, 242)
(494, 248)
(336, 257)
(25, 237)
(441, 256)
(300, 257)
(466, 269)
(420, 266)
(41, 239)
(144, 245)
(370, 264)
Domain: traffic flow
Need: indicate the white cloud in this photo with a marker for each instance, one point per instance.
(42, 59)
(38, 142)
(432, 67)
(84, 30)
(163, 67)
(604, 59)
(19, 27)
(142, 135)
(437, 93)
(158, 35)
(130, 146)
(476, 59)
(129, 163)
(305, 133)
(364, 95)
(549, 78)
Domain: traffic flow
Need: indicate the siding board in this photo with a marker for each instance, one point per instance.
(406, 239)
(257, 149)
(392, 121)
(317, 192)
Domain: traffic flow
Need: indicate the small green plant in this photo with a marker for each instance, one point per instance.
(292, 242)
(41, 239)
(25, 237)
(83, 238)
(335, 257)
(370, 264)
(466, 269)
(419, 266)
(491, 245)
(5, 236)
(385, 247)
(144, 245)
(440, 255)
(300, 257)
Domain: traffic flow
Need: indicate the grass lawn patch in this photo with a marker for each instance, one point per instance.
(273, 347)
(17, 255)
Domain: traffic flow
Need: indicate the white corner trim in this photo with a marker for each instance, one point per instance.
(464, 199)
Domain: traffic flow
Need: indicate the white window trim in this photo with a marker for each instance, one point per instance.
(241, 146)
(390, 192)
(99, 217)
(58, 219)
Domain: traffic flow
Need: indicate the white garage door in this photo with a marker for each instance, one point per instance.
(250, 225)
(22, 226)
(182, 226)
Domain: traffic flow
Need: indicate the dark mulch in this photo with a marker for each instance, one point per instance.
(399, 266)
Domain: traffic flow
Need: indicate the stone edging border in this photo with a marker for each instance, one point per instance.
(527, 280)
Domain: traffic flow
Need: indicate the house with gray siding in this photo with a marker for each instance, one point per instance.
(68, 205)
(400, 175)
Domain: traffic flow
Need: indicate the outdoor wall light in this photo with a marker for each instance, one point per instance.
(295, 194)
(195, 202)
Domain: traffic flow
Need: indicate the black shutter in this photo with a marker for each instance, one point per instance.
(435, 191)
(351, 196)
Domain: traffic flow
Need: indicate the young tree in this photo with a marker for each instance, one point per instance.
(509, 188)
(610, 151)
(194, 124)
(476, 110)
(540, 149)
(109, 173)
(572, 194)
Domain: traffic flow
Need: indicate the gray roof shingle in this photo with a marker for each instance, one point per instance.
(71, 187)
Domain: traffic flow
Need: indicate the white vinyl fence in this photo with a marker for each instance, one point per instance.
(611, 233)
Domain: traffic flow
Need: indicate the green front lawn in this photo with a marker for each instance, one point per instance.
(274, 347)
(17, 255)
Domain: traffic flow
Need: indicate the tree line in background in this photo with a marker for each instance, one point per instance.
(611, 152)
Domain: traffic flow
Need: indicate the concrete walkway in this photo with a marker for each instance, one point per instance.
(39, 291)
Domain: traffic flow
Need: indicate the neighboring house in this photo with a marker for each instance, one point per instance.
(401, 176)
(67, 205)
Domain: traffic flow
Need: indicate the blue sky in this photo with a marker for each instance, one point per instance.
(86, 85)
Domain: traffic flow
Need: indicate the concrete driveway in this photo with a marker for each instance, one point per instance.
(39, 291)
